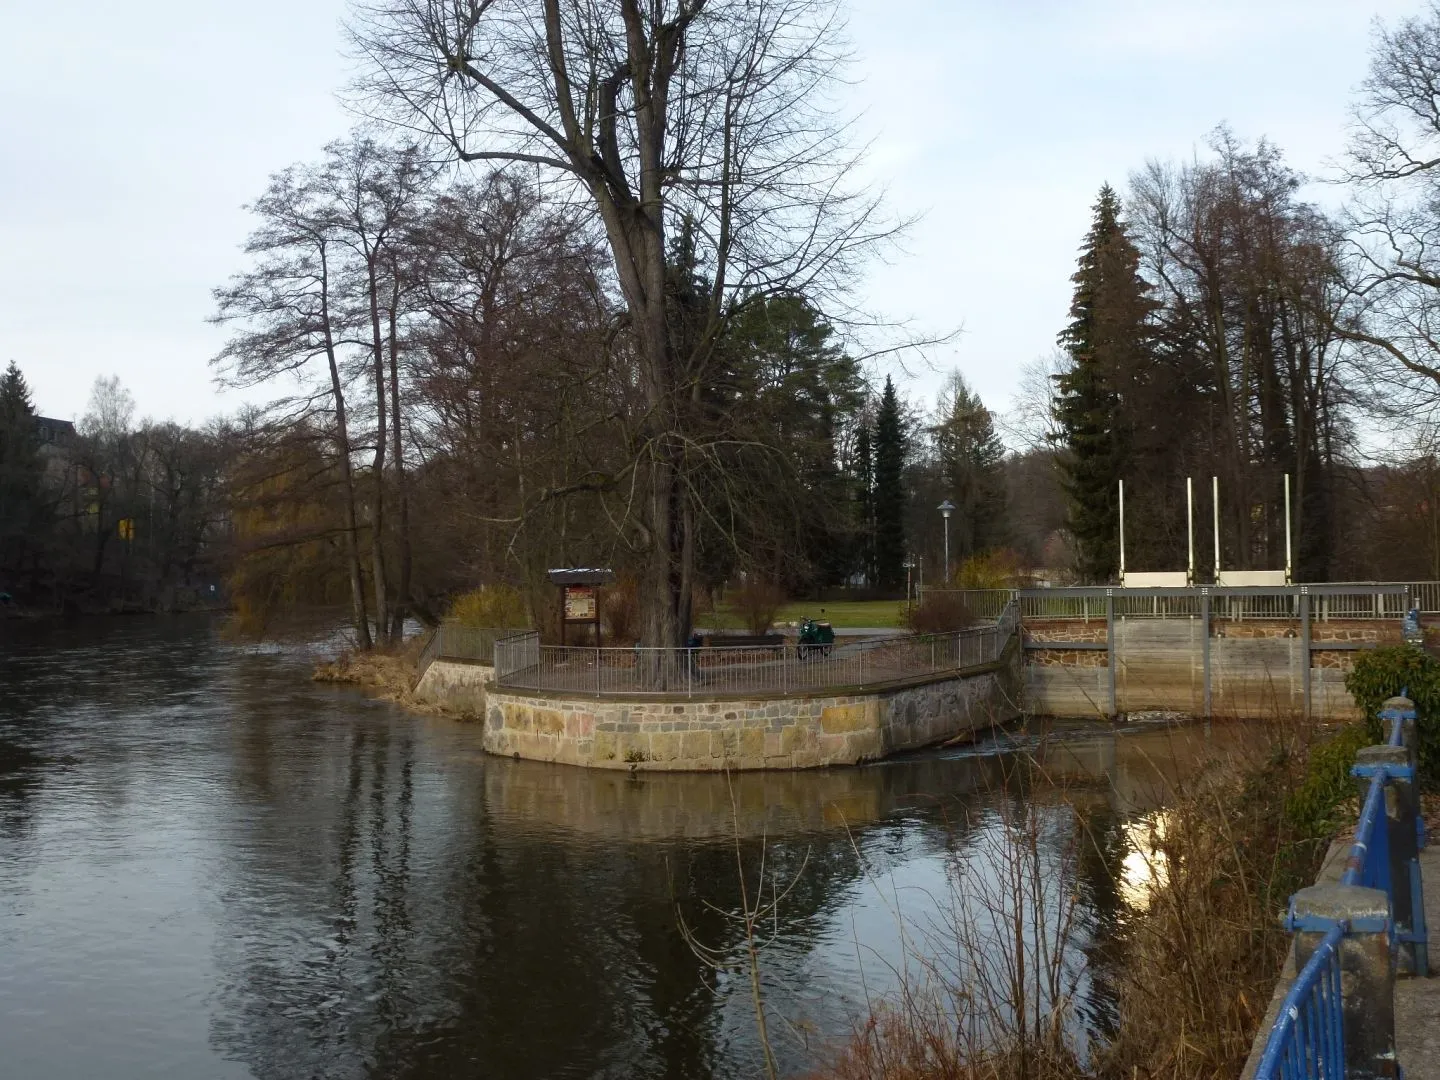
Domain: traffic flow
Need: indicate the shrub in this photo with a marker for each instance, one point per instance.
(620, 611)
(496, 606)
(938, 613)
(998, 569)
(1382, 673)
(1326, 783)
(758, 602)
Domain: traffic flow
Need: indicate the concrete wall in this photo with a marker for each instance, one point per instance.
(457, 685)
(756, 733)
(1257, 666)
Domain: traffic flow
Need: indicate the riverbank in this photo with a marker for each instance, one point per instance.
(1188, 961)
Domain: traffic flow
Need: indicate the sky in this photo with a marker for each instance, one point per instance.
(131, 137)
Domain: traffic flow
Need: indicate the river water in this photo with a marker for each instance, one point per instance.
(212, 867)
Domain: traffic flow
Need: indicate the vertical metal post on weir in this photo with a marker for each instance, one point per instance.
(1110, 648)
(1205, 648)
(1306, 657)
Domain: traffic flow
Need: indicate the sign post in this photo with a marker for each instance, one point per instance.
(580, 598)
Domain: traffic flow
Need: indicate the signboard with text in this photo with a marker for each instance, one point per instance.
(580, 603)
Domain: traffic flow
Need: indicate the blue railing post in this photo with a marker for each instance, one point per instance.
(1364, 1013)
(1407, 835)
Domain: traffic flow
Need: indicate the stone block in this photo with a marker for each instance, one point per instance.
(841, 718)
(696, 745)
(665, 746)
(751, 747)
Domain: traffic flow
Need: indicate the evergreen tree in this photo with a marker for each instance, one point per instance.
(889, 490)
(1108, 340)
(970, 456)
(865, 499)
(20, 469)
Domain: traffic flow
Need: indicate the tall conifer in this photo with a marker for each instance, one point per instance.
(889, 490)
(1108, 340)
(865, 499)
(20, 495)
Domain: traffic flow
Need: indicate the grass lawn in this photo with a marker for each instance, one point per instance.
(842, 613)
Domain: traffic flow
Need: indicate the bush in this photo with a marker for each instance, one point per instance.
(758, 602)
(1382, 673)
(1326, 783)
(498, 607)
(938, 613)
(620, 611)
(998, 569)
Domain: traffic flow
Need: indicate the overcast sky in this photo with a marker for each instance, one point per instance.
(131, 136)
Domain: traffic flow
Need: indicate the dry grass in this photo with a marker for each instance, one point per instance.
(388, 674)
(1197, 965)
(1191, 961)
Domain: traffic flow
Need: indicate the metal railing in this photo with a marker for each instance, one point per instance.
(1308, 1038)
(451, 641)
(981, 603)
(1326, 602)
(1332, 600)
(737, 671)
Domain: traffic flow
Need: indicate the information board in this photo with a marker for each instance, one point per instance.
(579, 603)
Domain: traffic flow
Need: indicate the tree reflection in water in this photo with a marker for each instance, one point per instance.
(325, 886)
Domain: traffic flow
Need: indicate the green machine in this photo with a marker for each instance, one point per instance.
(816, 638)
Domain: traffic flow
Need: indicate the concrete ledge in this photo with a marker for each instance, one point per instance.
(667, 697)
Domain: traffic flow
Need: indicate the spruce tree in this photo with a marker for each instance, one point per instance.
(1108, 340)
(971, 455)
(889, 490)
(865, 499)
(20, 492)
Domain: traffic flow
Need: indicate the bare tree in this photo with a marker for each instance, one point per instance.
(1394, 219)
(714, 114)
(375, 193)
(289, 308)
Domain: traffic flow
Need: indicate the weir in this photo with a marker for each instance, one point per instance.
(1246, 651)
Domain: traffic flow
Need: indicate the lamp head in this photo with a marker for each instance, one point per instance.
(946, 508)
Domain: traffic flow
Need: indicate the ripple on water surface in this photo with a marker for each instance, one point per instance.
(212, 867)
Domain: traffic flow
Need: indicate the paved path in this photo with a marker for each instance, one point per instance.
(1417, 1001)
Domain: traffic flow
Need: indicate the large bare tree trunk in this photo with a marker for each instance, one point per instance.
(377, 513)
(347, 478)
(402, 495)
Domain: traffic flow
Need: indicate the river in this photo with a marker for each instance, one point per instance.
(212, 867)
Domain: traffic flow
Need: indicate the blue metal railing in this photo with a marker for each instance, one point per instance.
(1307, 1041)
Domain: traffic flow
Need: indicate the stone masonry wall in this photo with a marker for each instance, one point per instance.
(773, 733)
(457, 685)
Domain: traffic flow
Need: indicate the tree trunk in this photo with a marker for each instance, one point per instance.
(402, 495)
(377, 514)
(347, 478)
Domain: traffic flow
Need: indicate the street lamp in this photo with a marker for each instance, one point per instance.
(947, 508)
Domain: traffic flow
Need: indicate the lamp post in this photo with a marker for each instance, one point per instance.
(947, 508)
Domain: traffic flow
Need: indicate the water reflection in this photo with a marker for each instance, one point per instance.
(210, 866)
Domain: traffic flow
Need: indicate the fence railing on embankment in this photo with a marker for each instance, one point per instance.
(1338, 1019)
(451, 641)
(522, 663)
(1327, 601)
